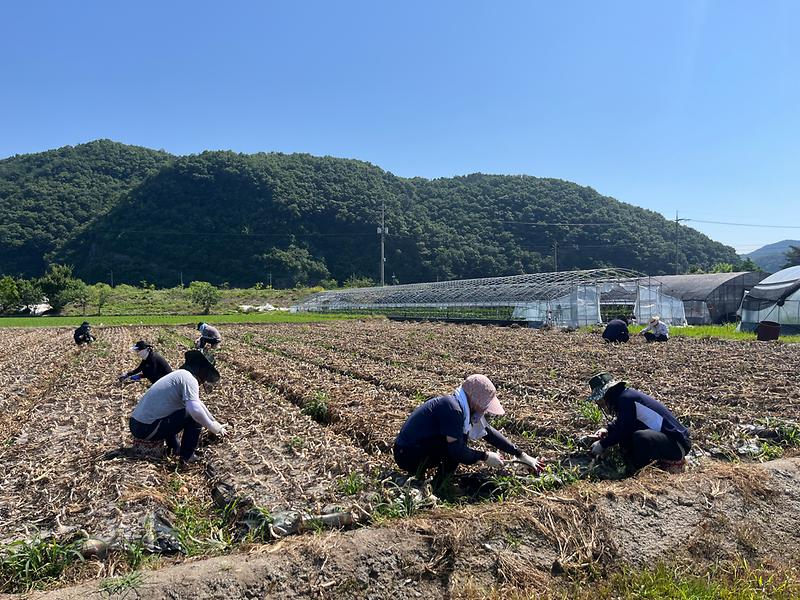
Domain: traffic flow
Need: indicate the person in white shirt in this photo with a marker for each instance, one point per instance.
(172, 405)
(656, 330)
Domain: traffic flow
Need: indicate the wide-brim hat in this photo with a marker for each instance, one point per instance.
(197, 360)
(600, 384)
(483, 394)
(655, 319)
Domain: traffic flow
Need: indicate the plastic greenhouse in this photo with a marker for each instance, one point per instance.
(709, 297)
(777, 299)
(563, 299)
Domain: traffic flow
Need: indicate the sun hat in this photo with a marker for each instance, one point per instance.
(600, 384)
(199, 361)
(483, 394)
(655, 319)
(140, 345)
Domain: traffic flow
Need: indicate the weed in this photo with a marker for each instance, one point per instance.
(121, 586)
(352, 484)
(247, 338)
(419, 397)
(590, 411)
(314, 525)
(297, 442)
(317, 407)
(32, 563)
(136, 554)
(769, 451)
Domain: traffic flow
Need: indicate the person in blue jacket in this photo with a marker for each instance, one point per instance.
(437, 432)
(617, 330)
(642, 426)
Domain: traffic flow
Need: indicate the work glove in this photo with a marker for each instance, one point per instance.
(601, 433)
(597, 448)
(123, 377)
(493, 460)
(535, 464)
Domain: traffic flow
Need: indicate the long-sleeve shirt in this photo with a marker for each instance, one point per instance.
(439, 418)
(177, 391)
(658, 328)
(154, 367)
(616, 331)
(636, 410)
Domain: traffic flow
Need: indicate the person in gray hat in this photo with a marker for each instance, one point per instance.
(642, 426)
(437, 432)
(172, 405)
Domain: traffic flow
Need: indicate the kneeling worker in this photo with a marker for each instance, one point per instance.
(617, 330)
(656, 330)
(173, 405)
(83, 334)
(436, 433)
(643, 427)
(153, 366)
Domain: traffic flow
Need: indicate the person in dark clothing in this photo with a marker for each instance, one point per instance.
(642, 426)
(617, 330)
(208, 335)
(435, 435)
(153, 366)
(83, 334)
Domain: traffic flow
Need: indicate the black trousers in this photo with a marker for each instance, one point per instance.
(208, 340)
(647, 445)
(416, 460)
(652, 337)
(167, 429)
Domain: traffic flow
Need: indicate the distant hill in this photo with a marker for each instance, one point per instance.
(772, 257)
(236, 218)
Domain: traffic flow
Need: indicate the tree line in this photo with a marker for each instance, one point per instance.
(128, 214)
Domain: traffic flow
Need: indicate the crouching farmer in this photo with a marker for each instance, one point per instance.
(645, 429)
(172, 405)
(616, 331)
(83, 334)
(437, 432)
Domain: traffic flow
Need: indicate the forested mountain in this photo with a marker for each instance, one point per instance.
(772, 257)
(44, 197)
(227, 217)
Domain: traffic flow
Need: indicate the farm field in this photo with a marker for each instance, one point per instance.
(312, 412)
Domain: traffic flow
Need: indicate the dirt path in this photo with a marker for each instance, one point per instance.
(536, 545)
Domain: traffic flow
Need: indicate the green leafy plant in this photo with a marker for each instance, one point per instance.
(591, 412)
(122, 586)
(316, 407)
(351, 484)
(32, 563)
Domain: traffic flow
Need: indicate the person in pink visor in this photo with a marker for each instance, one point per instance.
(437, 433)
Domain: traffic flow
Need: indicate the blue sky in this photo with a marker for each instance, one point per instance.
(686, 105)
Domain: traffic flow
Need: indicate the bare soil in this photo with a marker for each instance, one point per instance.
(63, 467)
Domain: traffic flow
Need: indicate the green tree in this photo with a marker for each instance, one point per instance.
(79, 294)
(59, 286)
(100, 294)
(9, 294)
(355, 282)
(721, 268)
(748, 265)
(792, 257)
(204, 295)
(29, 292)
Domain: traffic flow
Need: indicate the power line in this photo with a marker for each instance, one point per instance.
(744, 224)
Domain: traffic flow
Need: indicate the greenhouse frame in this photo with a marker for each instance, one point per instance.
(709, 297)
(561, 299)
(775, 299)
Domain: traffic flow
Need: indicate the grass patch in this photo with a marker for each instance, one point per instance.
(186, 319)
(589, 411)
(725, 332)
(316, 407)
(34, 563)
(352, 484)
(121, 586)
(738, 582)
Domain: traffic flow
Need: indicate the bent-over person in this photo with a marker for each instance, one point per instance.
(436, 434)
(152, 367)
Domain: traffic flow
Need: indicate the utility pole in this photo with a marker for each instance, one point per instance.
(677, 221)
(181, 278)
(112, 278)
(555, 256)
(382, 231)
